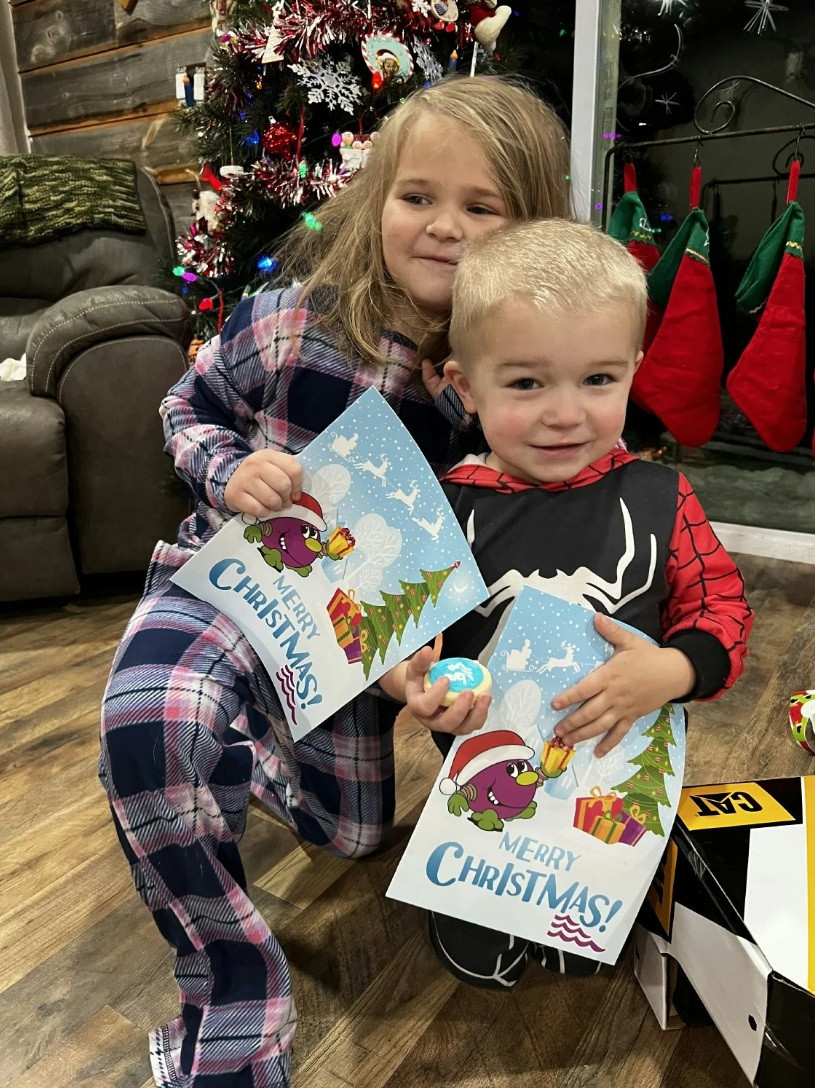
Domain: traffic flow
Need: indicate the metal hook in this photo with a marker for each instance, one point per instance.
(696, 147)
(795, 154)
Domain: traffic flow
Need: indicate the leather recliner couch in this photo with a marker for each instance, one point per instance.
(85, 485)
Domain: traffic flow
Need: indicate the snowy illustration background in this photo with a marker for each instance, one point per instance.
(545, 647)
(370, 477)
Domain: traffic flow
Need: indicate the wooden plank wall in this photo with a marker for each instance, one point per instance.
(100, 80)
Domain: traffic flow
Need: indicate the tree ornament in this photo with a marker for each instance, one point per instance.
(221, 12)
(386, 55)
(488, 21)
(278, 138)
(329, 82)
(445, 11)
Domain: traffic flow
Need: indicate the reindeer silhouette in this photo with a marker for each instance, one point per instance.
(408, 499)
(565, 662)
(376, 470)
(432, 527)
(343, 446)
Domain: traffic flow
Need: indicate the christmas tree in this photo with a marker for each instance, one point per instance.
(381, 621)
(416, 593)
(646, 788)
(398, 612)
(293, 92)
(435, 579)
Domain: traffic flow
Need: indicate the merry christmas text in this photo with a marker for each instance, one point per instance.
(449, 864)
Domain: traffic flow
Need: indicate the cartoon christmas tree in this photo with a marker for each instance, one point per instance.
(381, 622)
(435, 579)
(646, 788)
(416, 593)
(398, 611)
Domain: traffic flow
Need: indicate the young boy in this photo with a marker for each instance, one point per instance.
(548, 317)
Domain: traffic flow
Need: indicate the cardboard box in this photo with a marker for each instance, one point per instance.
(733, 904)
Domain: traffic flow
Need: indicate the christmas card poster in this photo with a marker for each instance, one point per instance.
(531, 837)
(360, 573)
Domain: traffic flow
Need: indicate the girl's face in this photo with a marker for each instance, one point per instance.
(443, 194)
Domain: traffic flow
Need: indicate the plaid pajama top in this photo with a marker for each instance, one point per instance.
(275, 379)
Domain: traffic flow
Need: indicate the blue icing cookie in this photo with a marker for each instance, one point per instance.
(463, 673)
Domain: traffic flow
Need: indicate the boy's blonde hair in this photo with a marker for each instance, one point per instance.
(560, 266)
(527, 149)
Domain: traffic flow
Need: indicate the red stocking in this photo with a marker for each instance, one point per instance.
(679, 380)
(631, 227)
(768, 382)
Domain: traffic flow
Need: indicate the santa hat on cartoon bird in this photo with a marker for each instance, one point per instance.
(307, 509)
(482, 751)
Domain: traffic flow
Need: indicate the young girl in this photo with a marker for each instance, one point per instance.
(191, 723)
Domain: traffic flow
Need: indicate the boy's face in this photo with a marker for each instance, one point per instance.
(550, 391)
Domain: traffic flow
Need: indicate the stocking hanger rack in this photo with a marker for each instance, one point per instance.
(728, 107)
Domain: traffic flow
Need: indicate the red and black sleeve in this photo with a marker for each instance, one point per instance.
(706, 614)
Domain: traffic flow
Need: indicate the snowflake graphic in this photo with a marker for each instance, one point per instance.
(763, 15)
(425, 60)
(330, 82)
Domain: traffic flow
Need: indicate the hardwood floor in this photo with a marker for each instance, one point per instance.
(84, 974)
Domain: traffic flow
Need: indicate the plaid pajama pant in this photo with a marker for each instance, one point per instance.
(191, 726)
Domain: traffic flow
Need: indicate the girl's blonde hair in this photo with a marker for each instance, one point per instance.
(342, 267)
(562, 268)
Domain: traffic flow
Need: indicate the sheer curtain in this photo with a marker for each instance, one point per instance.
(13, 135)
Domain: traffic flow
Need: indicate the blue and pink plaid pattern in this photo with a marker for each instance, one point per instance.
(191, 724)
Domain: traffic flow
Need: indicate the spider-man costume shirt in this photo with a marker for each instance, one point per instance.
(624, 537)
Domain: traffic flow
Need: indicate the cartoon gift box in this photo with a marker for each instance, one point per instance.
(344, 612)
(607, 829)
(339, 544)
(634, 826)
(556, 757)
(587, 809)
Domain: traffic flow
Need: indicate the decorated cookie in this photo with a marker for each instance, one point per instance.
(463, 673)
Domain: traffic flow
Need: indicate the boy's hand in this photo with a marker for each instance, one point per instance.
(637, 680)
(405, 682)
(263, 483)
(466, 715)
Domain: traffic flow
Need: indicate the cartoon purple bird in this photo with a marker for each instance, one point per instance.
(492, 777)
(291, 539)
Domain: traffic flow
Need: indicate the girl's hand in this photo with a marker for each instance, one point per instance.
(637, 680)
(434, 382)
(263, 483)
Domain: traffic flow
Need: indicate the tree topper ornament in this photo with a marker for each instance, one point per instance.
(488, 21)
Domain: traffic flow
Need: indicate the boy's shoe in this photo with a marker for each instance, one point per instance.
(563, 963)
(478, 956)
